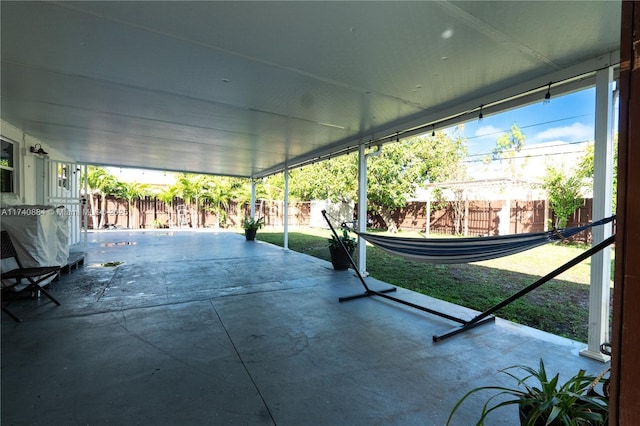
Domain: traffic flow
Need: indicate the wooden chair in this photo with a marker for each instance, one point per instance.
(31, 277)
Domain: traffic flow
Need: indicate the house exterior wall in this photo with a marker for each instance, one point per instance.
(29, 187)
(38, 182)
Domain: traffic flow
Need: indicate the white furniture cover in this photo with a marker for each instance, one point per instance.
(39, 233)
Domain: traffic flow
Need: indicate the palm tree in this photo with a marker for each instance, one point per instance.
(221, 190)
(132, 191)
(192, 187)
(166, 196)
(102, 183)
(243, 191)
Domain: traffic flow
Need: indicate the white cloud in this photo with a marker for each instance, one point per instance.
(483, 131)
(483, 139)
(574, 133)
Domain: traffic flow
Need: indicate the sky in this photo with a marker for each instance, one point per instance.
(569, 119)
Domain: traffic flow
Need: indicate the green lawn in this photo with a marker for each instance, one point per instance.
(559, 306)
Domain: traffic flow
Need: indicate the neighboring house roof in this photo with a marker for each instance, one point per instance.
(518, 177)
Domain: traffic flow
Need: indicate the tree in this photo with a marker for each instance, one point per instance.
(132, 191)
(268, 188)
(221, 190)
(586, 163)
(407, 165)
(192, 187)
(585, 167)
(94, 177)
(167, 195)
(102, 183)
(242, 191)
(563, 193)
(508, 145)
(334, 179)
(508, 142)
(393, 176)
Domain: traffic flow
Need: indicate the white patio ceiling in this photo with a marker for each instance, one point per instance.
(248, 88)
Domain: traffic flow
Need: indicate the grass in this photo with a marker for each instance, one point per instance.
(559, 306)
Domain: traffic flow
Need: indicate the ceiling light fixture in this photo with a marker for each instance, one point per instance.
(37, 149)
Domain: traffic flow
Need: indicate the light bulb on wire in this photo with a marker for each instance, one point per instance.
(547, 96)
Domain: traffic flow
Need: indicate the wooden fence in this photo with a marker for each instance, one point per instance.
(483, 218)
(479, 218)
(150, 212)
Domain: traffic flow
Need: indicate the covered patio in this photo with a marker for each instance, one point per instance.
(202, 327)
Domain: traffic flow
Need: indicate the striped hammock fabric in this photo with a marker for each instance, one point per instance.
(467, 250)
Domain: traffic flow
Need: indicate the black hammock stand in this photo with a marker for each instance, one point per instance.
(483, 248)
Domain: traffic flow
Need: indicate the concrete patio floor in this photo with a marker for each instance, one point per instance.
(204, 328)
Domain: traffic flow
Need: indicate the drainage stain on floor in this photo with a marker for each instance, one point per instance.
(110, 264)
(121, 243)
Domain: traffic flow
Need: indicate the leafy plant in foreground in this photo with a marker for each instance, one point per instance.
(546, 402)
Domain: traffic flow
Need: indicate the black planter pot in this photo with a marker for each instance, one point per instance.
(339, 258)
(524, 413)
(250, 234)
(542, 421)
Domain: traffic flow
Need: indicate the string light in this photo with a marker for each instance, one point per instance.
(547, 96)
(433, 130)
(480, 116)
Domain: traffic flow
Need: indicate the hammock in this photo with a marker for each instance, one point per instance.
(467, 250)
(463, 250)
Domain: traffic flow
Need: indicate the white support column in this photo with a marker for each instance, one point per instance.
(253, 199)
(286, 208)
(84, 203)
(599, 291)
(362, 210)
(362, 205)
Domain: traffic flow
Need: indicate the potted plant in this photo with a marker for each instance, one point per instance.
(339, 258)
(251, 227)
(546, 402)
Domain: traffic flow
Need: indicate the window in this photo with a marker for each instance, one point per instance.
(6, 167)
(63, 176)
